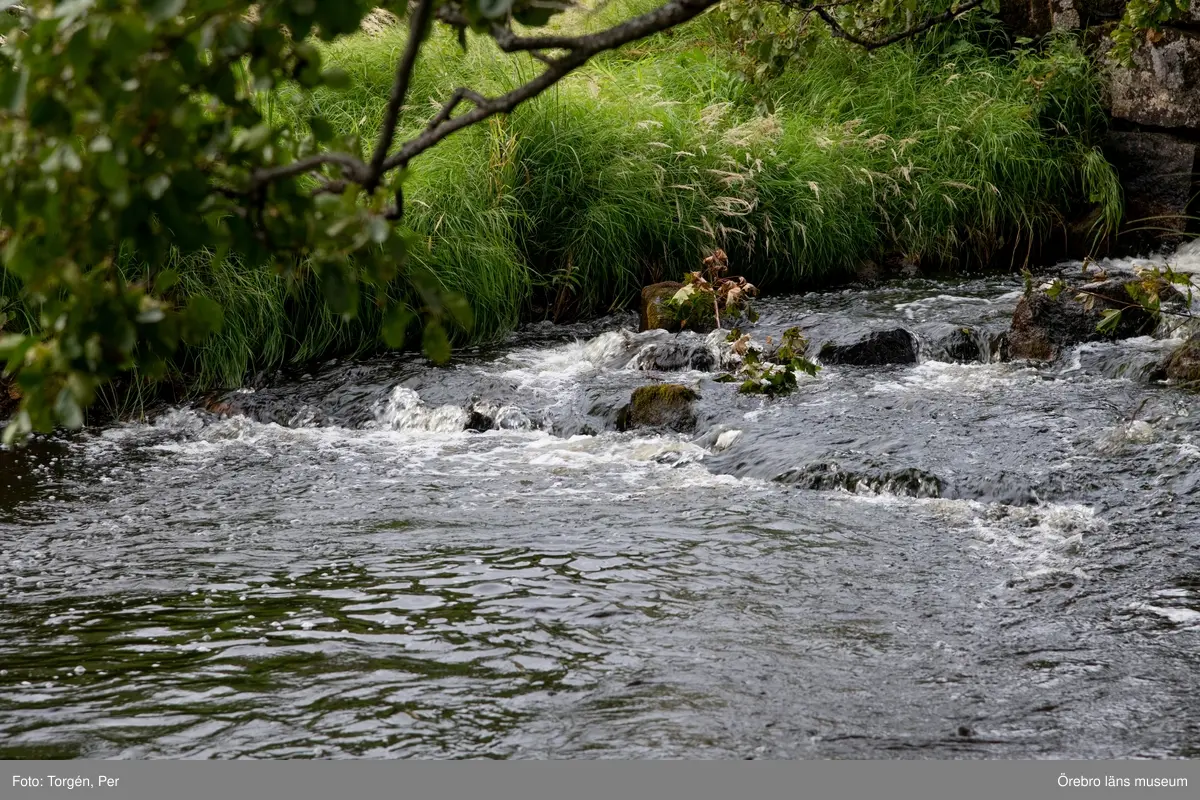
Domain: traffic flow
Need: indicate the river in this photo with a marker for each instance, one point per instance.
(935, 560)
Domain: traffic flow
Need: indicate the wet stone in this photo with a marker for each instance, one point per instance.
(955, 343)
(664, 405)
(657, 313)
(873, 348)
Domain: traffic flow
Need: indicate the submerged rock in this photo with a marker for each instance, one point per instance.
(910, 482)
(1183, 365)
(871, 348)
(663, 405)
(485, 415)
(676, 355)
(1044, 323)
(479, 422)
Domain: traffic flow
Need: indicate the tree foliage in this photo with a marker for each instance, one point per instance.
(1144, 19)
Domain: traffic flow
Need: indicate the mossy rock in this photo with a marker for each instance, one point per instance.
(698, 313)
(653, 314)
(663, 405)
(1183, 365)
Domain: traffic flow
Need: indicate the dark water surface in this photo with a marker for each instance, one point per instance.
(937, 560)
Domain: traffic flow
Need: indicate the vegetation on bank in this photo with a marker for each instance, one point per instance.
(634, 168)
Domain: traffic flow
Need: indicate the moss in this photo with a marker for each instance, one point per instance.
(664, 405)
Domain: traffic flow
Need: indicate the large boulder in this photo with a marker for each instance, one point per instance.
(1162, 85)
(870, 348)
(1044, 323)
(662, 405)
(1183, 365)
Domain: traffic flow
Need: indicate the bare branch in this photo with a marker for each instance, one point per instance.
(460, 94)
(417, 28)
(355, 169)
(874, 44)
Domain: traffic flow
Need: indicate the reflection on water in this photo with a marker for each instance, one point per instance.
(340, 570)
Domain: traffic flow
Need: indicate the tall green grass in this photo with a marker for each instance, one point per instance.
(632, 169)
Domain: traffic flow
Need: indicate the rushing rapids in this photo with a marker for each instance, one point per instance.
(956, 557)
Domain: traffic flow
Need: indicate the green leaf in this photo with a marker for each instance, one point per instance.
(1109, 321)
(436, 343)
(252, 138)
(12, 89)
(68, 411)
(341, 292)
(396, 322)
(162, 10)
(460, 310)
(202, 318)
(157, 186)
(165, 281)
(336, 78)
(681, 297)
(321, 129)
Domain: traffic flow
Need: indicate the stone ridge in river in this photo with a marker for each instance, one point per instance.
(662, 405)
(1043, 326)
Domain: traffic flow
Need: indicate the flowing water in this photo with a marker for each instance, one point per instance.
(969, 560)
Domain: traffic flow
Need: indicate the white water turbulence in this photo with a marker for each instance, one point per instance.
(957, 557)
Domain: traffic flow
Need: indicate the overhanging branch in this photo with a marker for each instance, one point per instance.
(417, 28)
(836, 28)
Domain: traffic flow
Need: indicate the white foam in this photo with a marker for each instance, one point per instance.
(404, 410)
(1039, 542)
(918, 310)
(942, 376)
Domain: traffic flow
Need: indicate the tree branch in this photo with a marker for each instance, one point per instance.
(355, 170)
(460, 94)
(874, 44)
(417, 28)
